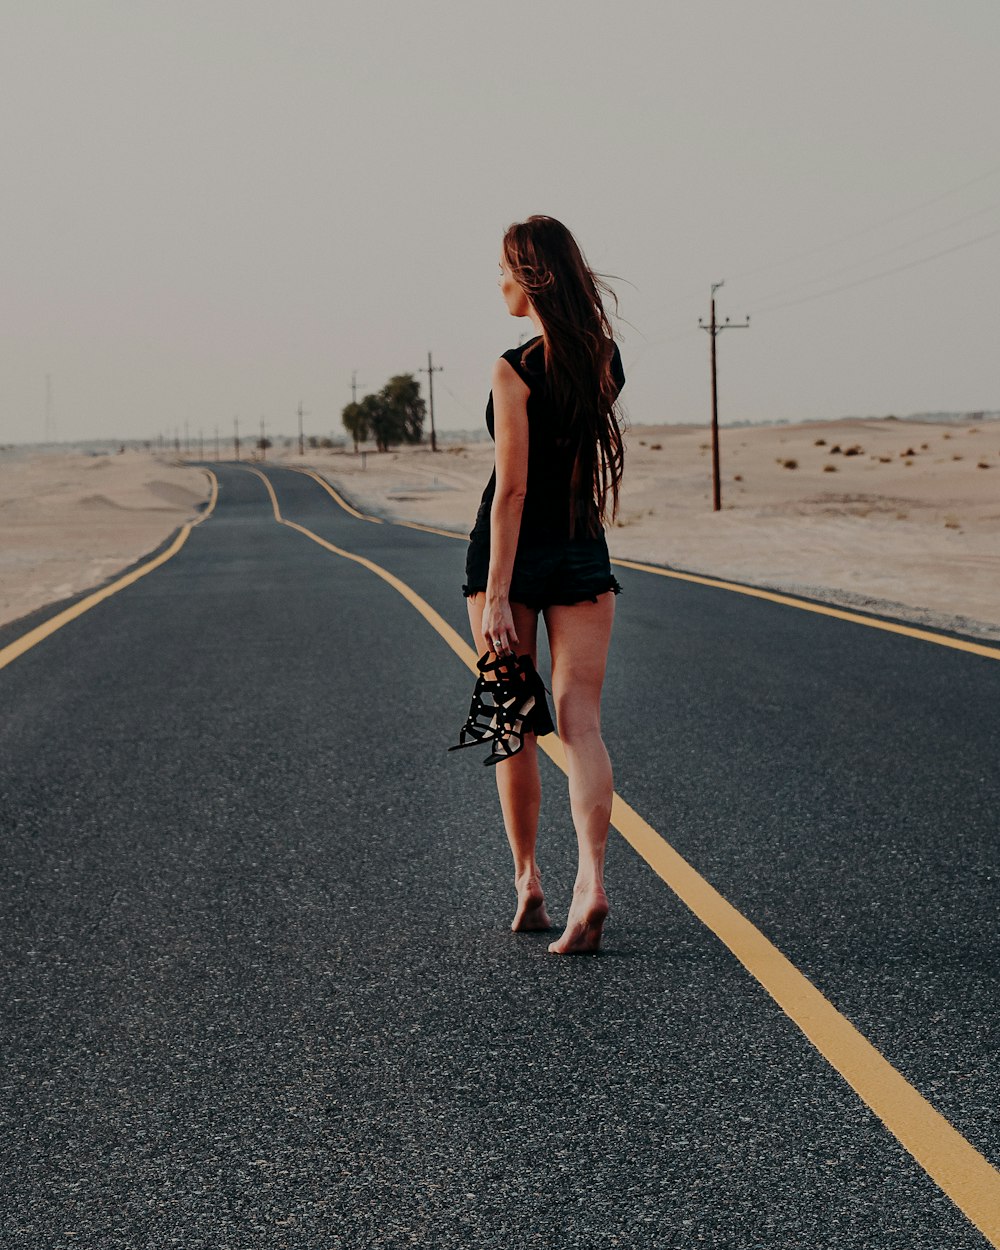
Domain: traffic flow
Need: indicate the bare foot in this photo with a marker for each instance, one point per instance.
(584, 925)
(531, 915)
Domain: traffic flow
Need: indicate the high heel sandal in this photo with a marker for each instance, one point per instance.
(505, 708)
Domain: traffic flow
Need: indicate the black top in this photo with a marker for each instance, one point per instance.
(545, 517)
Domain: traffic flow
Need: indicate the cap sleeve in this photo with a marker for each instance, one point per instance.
(528, 373)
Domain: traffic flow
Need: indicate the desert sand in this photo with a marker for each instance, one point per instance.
(70, 519)
(896, 516)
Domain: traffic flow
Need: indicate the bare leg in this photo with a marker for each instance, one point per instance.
(519, 784)
(579, 635)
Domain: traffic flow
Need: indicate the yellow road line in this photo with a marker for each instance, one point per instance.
(213, 497)
(841, 614)
(375, 520)
(437, 622)
(430, 529)
(754, 592)
(363, 516)
(965, 1176)
(34, 636)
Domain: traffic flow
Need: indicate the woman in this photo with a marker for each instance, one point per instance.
(538, 545)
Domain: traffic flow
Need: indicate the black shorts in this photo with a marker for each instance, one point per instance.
(544, 574)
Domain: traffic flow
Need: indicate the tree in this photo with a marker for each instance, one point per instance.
(403, 399)
(379, 421)
(355, 423)
(395, 415)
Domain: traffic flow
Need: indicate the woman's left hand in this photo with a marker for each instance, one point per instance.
(498, 626)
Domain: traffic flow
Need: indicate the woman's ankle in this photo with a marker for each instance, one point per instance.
(527, 874)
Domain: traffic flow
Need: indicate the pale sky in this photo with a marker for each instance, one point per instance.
(222, 207)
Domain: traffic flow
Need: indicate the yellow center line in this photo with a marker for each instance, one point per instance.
(840, 614)
(338, 498)
(964, 1175)
(410, 525)
(431, 529)
(437, 622)
(34, 636)
(738, 588)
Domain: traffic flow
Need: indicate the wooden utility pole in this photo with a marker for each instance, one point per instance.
(714, 329)
(354, 386)
(50, 420)
(236, 437)
(431, 369)
(302, 446)
(263, 440)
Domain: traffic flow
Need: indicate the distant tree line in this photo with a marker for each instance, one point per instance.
(395, 414)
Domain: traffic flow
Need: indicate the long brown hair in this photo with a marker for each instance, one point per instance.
(547, 263)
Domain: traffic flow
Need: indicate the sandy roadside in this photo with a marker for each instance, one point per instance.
(70, 520)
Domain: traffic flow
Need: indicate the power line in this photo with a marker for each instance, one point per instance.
(883, 221)
(898, 247)
(923, 260)
(844, 238)
(461, 402)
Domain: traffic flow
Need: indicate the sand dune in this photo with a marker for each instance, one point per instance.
(60, 536)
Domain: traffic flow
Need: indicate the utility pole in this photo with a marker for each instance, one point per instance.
(177, 440)
(354, 400)
(187, 439)
(302, 448)
(715, 330)
(50, 421)
(236, 437)
(263, 449)
(431, 369)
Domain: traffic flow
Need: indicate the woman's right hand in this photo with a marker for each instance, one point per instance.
(498, 626)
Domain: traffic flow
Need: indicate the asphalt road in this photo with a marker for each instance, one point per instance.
(259, 988)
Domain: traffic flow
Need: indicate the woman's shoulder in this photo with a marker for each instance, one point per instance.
(527, 360)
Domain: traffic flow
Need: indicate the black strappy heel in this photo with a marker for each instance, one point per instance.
(505, 708)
